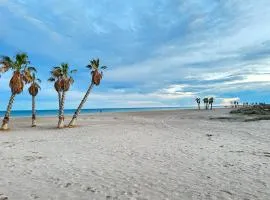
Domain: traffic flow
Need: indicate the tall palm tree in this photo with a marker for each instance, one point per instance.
(21, 76)
(211, 101)
(198, 100)
(33, 91)
(56, 75)
(61, 76)
(96, 76)
(205, 101)
(66, 82)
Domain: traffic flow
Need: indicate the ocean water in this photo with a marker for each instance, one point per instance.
(28, 113)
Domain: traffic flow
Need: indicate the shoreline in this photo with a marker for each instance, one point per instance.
(108, 112)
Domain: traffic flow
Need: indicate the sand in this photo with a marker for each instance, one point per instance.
(147, 155)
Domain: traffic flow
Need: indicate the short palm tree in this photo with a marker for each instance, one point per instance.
(198, 100)
(33, 91)
(96, 76)
(61, 76)
(211, 101)
(205, 101)
(21, 76)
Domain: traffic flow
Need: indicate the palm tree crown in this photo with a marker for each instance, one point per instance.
(205, 100)
(61, 75)
(94, 67)
(35, 87)
(21, 71)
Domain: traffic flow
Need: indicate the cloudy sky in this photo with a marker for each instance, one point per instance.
(158, 52)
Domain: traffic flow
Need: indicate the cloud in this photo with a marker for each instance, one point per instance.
(229, 101)
(158, 53)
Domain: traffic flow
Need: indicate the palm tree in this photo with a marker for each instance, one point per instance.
(66, 82)
(61, 76)
(33, 91)
(21, 76)
(198, 100)
(211, 101)
(205, 101)
(96, 76)
(56, 75)
(234, 103)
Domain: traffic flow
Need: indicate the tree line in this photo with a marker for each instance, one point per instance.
(61, 76)
(207, 102)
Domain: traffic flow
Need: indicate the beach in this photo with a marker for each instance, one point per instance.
(178, 155)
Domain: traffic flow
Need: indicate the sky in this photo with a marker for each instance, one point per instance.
(158, 53)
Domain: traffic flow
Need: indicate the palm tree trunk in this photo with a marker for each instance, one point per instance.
(211, 106)
(77, 112)
(33, 111)
(199, 106)
(9, 107)
(59, 102)
(61, 113)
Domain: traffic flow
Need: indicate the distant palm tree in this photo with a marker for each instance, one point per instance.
(211, 101)
(198, 100)
(235, 102)
(21, 76)
(96, 77)
(205, 101)
(61, 76)
(33, 91)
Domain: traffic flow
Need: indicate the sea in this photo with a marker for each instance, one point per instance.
(28, 113)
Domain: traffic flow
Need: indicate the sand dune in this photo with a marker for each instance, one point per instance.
(147, 155)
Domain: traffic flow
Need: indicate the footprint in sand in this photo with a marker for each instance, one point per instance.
(34, 196)
(32, 158)
(266, 154)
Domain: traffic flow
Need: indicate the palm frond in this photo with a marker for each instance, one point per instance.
(5, 59)
(22, 58)
(38, 86)
(71, 80)
(57, 68)
(89, 66)
(31, 69)
(51, 79)
(6, 63)
(73, 71)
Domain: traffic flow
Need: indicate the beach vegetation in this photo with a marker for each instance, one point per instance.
(20, 66)
(96, 75)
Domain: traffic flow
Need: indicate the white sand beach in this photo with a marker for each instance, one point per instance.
(154, 155)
